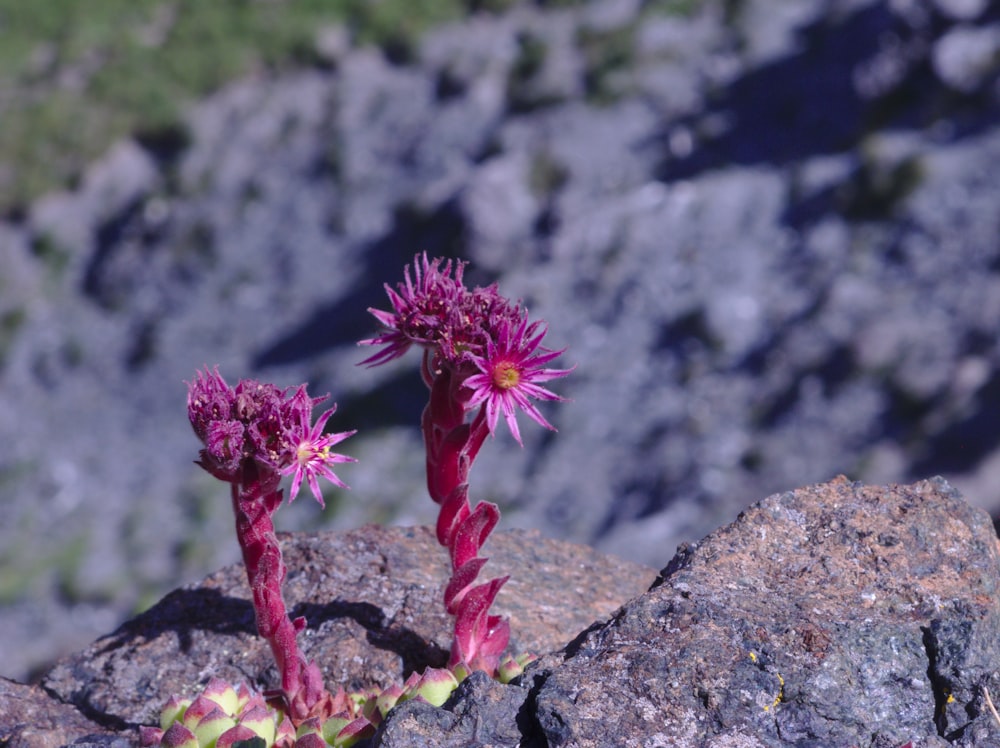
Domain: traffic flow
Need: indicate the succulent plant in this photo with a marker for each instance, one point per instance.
(225, 716)
(254, 433)
(510, 667)
(482, 359)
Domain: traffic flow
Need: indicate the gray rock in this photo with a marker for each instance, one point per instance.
(481, 713)
(112, 186)
(834, 615)
(31, 718)
(962, 10)
(966, 57)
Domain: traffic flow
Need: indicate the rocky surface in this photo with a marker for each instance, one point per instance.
(766, 230)
(31, 718)
(372, 601)
(839, 614)
(834, 615)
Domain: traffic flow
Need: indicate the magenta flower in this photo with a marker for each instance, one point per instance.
(312, 456)
(224, 443)
(421, 308)
(509, 373)
(210, 399)
(260, 422)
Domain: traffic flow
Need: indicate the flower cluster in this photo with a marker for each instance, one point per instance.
(224, 716)
(259, 422)
(481, 358)
(478, 335)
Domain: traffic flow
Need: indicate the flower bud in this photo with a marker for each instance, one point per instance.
(244, 695)
(353, 732)
(525, 658)
(410, 684)
(234, 735)
(511, 667)
(309, 735)
(359, 698)
(388, 698)
(311, 740)
(333, 726)
(223, 694)
(460, 671)
(149, 736)
(369, 710)
(285, 734)
(508, 669)
(198, 710)
(260, 721)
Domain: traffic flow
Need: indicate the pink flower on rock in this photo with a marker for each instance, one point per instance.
(253, 434)
(509, 372)
(481, 358)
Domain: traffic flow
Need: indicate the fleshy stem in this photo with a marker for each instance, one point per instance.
(452, 445)
(481, 358)
(255, 499)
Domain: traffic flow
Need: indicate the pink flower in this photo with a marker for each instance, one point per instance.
(421, 308)
(210, 399)
(224, 443)
(310, 447)
(509, 373)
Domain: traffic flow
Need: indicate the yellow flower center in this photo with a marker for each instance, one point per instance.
(506, 375)
(308, 452)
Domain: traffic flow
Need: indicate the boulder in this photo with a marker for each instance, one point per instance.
(834, 615)
(31, 718)
(840, 614)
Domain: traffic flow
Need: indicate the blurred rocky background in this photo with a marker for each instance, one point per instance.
(768, 232)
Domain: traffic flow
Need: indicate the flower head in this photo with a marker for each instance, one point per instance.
(260, 422)
(480, 336)
(210, 399)
(510, 370)
(437, 312)
(311, 456)
(475, 317)
(421, 308)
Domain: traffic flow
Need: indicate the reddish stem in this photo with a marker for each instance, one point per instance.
(452, 445)
(255, 499)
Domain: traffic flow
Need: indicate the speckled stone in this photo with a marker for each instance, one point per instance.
(838, 614)
(31, 718)
(835, 615)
